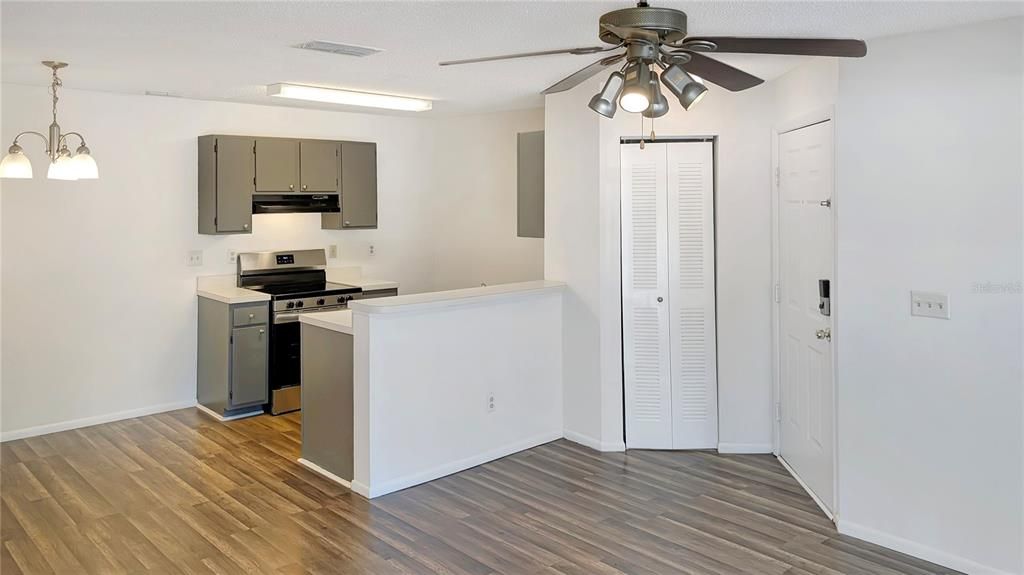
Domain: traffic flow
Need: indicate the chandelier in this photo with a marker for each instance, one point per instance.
(63, 164)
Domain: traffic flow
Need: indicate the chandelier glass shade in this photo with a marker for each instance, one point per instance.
(63, 164)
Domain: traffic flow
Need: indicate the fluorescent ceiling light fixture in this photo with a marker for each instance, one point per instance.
(348, 97)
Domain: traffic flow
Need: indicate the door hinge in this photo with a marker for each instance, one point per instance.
(777, 293)
(827, 203)
(778, 411)
(777, 177)
(214, 221)
(231, 338)
(215, 146)
(254, 181)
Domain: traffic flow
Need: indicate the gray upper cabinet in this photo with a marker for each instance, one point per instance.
(358, 188)
(226, 165)
(277, 165)
(318, 166)
(233, 168)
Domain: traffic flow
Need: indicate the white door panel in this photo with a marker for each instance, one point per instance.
(669, 351)
(691, 263)
(644, 280)
(807, 430)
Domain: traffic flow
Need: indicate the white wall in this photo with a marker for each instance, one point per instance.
(94, 273)
(427, 415)
(930, 188)
(475, 223)
(583, 234)
(571, 254)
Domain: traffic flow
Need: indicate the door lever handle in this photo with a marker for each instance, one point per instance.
(825, 334)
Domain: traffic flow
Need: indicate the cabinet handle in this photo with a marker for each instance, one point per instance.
(245, 226)
(252, 316)
(304, 186)
(348, 223)
(262, 331)
(291, 186)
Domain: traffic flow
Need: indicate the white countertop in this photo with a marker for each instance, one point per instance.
(450, 298)
(339, 320)
(345, 276)
(223, 289)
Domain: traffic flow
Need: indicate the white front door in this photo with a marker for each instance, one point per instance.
(807, 389)
(668, 296)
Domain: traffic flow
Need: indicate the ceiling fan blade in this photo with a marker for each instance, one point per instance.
(579, 76)
(720, 73)
(624, 33)
(586, 50)
(791, 46)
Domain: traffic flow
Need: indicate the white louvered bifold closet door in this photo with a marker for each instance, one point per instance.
(691, 273)
(669, 348)
(645, 339)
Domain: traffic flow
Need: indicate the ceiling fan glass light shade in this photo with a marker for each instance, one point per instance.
(604, 101)
(85, 167)
(683, 85)
(15, 164)
(636, 89)
(63, 168)
(348, 97)
(659, 104)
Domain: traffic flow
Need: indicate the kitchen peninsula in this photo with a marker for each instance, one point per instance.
(403, 390)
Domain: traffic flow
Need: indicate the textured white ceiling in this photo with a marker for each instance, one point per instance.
(232, 50)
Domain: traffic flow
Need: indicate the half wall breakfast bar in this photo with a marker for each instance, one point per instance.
(402, 390)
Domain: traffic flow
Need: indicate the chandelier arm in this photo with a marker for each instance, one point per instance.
(65, 135)
(46, 142)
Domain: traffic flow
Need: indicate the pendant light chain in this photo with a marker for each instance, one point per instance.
(54, 84)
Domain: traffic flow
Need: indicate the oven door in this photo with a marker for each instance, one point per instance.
(286, 361)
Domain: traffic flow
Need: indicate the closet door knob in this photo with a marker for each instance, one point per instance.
(660, 299)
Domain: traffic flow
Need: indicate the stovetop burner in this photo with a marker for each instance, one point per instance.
(304, 290)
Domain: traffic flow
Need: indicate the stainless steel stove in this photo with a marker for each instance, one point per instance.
(297, 284)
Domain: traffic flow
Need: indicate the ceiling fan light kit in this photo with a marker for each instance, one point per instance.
(658, 37)
(63, 164)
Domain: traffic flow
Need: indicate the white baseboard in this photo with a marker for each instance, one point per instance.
(202, 408)
(738, 448)
(917, 550)
(593, 442)
(376, 489)
(94, 420)
(323, 472)
(360, 488)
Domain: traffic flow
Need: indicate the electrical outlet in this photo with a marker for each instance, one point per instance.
(195, 258)
(332, 251)
(232, 256)
(373, 250)
(490, 402)
(929, 304)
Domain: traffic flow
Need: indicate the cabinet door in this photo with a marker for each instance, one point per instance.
(277, 165)
(318, 166)
(248, 365)
(235, 167)
(358, 185)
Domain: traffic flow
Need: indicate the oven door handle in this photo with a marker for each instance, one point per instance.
(286, 318)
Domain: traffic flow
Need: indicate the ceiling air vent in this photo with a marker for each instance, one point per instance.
(336, 48)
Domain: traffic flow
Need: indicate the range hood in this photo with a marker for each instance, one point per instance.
(295, 203)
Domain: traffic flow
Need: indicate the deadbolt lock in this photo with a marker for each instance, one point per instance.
(825, 334)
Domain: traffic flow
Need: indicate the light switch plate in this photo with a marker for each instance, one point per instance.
(332, 251)
(929, 304)
(232, 256)
(195, 258)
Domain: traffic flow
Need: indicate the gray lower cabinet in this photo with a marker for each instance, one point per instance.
(358, 188)
(226, 165)
(327, 404)
(232, 356)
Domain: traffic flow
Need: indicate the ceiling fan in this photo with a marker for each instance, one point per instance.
(652, 38)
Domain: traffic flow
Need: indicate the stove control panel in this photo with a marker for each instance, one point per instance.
(312, 303)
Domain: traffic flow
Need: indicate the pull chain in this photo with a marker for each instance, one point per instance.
(641, 131)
